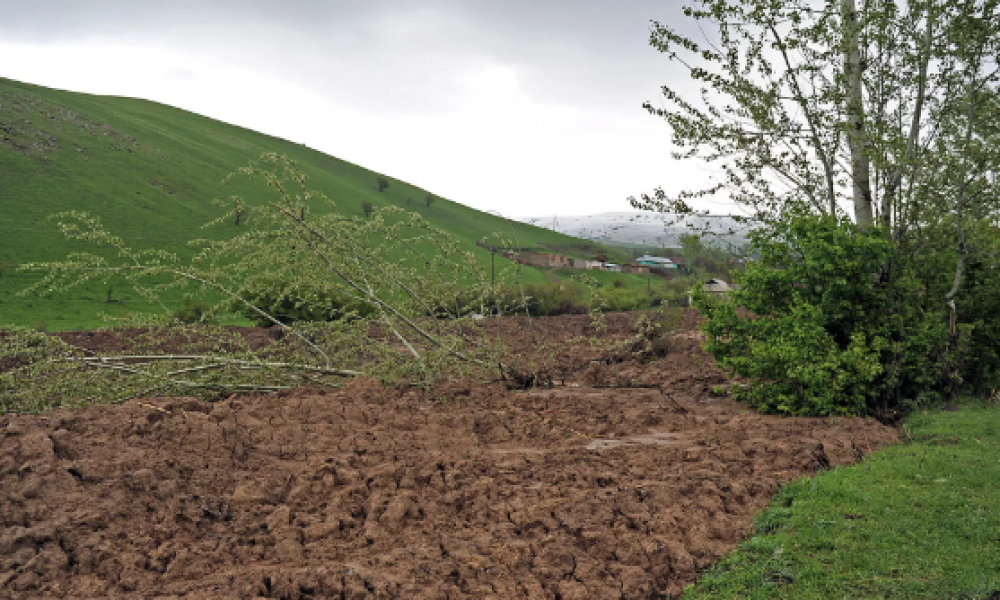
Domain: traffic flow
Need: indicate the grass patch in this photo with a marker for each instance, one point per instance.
(151, 172)
(918, 520)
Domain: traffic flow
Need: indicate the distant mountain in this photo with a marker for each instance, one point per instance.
(645, 229)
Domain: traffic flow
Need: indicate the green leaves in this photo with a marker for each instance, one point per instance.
(814, 330)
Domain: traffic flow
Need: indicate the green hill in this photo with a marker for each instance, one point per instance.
(150, 172)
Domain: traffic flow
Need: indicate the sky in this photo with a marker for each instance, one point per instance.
(522, 107)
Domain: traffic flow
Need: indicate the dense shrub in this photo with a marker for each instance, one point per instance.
(979, 307)
(192, 311)
(292, 300)
(616, 299)
(816, 331)
(556, 298)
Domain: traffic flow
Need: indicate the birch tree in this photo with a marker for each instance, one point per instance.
(881, 113)
(839, 107)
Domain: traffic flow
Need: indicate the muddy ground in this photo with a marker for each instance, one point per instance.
(469, 490)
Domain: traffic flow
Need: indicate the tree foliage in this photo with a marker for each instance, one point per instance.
(814, 333)
(346, 296)
(879, 116)
(881, 106)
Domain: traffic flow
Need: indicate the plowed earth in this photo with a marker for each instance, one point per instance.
(468, 490)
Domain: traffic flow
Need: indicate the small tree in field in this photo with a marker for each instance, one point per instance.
(429, 199)
(239, 210)
(367, 207)
(383, 183)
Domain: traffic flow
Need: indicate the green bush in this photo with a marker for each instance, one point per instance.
(617, 299)
(192, 311)
(816, 331)
(979, 306)
(291, 300)
(551, 299)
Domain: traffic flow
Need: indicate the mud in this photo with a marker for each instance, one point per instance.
(466, 490)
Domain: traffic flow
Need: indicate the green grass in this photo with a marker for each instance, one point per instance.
(918, 520)
(150, 172)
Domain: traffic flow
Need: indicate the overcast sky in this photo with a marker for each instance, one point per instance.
(526, 107)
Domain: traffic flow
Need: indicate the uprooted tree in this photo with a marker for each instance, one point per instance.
(875, 119)
(384, 296)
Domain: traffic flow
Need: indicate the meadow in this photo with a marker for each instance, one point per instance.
(154, 175)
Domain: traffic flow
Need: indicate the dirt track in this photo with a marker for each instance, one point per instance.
(570, 492)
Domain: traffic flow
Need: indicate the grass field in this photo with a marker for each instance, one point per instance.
(919, 520)
(151, 173)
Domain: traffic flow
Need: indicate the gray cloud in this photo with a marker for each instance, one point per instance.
(391, 55)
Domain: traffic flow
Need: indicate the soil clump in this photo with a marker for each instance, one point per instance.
(626, 478)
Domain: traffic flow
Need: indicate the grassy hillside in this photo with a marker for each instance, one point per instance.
(151, 172)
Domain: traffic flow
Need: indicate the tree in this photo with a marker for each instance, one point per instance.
(879, 110)
(429, 199)
(382, 182)
(691, 246)
(239, 209)
(329, 282)
(819, 107)
(367, 207)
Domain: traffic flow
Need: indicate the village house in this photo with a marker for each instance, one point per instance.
(635, 269)
(583, 263)
(656, 261)
(716, 286)
(713, 287)
(541, 259)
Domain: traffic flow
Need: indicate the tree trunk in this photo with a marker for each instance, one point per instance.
(895, 180)
(856, 136)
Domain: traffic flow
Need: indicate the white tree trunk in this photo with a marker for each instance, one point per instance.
(856, 136)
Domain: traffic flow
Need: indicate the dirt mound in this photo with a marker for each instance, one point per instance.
(466, 490)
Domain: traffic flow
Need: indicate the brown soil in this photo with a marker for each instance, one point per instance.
(467, 490)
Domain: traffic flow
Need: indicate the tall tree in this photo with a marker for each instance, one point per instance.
(880, 112)
(829, 106)
(873, 108)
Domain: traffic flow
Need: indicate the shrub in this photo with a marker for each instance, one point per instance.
(292, 300)
(814, 329)
(979, 306)
(192, 311)
(551, 299)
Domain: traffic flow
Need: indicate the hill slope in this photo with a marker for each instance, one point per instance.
(150, 172)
